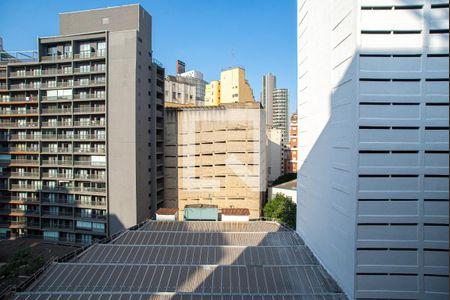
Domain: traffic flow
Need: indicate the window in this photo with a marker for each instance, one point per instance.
(85, 50)
(101, 49)
(83, 225)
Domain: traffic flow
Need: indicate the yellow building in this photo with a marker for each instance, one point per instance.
(212, 93)
(234, 88)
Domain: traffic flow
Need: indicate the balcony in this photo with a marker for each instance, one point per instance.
(56, 124)
(22, 212)
(87, 83)
(24, 86)
(88, 151)
(86, 97)
(8, 124)
(56, 57)
(57, 227)
(79, 71)
(99, 109)
(16, 112)
(25, 162)
(83, 137)
(57, 150)
(101, 218)
(75, 189)
(90, 55)
(89, 204)
(53, 111)
(34, 175)
(24, 150)
(62, 215)
(22, 187)
(92, 123)
(19, 100)
(24, 137)
(20, 224)
(19, 200)
(56, 98)
(57, 176)
(56, 162)
(93, 177)
(89, 164)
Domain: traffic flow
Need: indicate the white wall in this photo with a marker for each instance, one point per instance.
(227, 218)
(328, 134)
(275, 153)
(373, 152)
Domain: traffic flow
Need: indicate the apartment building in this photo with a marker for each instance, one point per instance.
(180, 90)
(280, 112)
(216, 156)
(373, 154)
(234, 88)
(81, 129)
(292, 158)
(269, 83)
(212, 93)
(196, 78)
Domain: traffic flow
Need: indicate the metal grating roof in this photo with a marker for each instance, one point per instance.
(192, 260)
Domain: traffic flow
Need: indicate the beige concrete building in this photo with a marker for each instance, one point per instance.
(216, 156)
(81, 129)
(234, 88)
(212, 93)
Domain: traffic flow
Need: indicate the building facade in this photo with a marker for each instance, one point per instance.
(212, 93)
(216, 156)
(292, 166)
(180, 90)
(280, 112)
(234, 88)
(269, 84)
(196, 77)
(275, 153)
(373, 154)
(75, 164)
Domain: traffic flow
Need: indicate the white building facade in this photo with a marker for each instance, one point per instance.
(373, 153)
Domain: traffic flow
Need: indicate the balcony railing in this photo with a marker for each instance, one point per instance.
(25, 187)
(35, 86)
(24, 200)
(57, 226)
(57, 124)
(56, 98)
(20, 99)
(89, 163)
(18, 124)
(89, 124)
(88, 150)
(57, 150)
(57, 57)
(100, 109)
(56, 110)
(57, 176)
(89, 137)
(90, 54)
(22, 137)
(96, 204)
(28, 212)
(18, 112)
(27, 149)
(73, 189)
(91, 217)
(24, 161)
(88, 96)
(25, 174)
(90, 176)
(57, 162)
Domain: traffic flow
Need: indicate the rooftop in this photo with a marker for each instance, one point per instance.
(290, 185)
(163, 260)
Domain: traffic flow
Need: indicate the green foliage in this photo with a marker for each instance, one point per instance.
(21, 263)
(281, 209)
(285, 178)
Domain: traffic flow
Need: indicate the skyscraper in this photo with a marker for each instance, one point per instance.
(269, 83)
(280, 112)
(81, 129)
(373, 153)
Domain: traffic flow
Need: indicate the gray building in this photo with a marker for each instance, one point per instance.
(269, 83)
(280, 112)
(81, 129)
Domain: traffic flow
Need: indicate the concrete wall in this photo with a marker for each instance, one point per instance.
(327, 149)
(275, 153)
(373, 146)
(122, 135)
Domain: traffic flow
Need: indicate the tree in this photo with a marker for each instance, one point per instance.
(281, 209)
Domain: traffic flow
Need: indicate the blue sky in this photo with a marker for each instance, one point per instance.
(208, 35)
